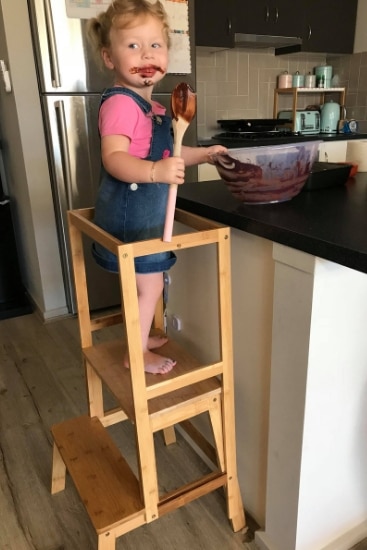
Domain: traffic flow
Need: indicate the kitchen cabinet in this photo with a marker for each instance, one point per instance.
(270, 17)
(295, 92)
(333, 151)
(213, 23)
(328, 26)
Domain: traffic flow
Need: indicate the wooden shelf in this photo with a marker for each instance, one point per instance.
(295, 92)
(308, 90)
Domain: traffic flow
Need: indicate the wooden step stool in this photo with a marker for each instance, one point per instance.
(117, 501)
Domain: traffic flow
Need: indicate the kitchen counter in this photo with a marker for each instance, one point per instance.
(328, 223)
(206, 142)
(300, 353)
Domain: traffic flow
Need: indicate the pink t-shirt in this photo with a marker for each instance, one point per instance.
(120, 115)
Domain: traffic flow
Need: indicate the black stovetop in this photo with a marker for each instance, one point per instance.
(264, 134)
(239, 132)
(232, 139)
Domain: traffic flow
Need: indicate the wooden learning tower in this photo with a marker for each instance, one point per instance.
(116, 500)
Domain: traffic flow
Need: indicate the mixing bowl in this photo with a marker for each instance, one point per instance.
(267, 174)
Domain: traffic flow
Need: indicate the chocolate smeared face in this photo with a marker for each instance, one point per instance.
(138, 53)
(147, 73)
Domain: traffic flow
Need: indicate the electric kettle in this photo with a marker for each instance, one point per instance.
(330, 115)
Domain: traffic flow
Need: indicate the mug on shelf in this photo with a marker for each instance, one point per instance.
(310, 80)
(298, 80)
(285, 80)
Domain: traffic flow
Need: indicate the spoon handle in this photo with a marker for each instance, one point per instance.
(179, 128)
(170, 213)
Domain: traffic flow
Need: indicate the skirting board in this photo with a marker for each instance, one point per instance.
(51, 314)
(55, 314)
(347, 540)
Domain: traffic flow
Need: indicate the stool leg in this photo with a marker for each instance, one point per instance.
(215, 414)
(58, 472)
(236, 511)
(107, 541)
(95, 393)
(169, 435)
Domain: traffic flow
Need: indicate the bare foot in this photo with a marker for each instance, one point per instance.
(155, 364)
(157, 341)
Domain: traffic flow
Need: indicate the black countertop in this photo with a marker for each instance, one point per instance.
(255, 142)
(328, 223)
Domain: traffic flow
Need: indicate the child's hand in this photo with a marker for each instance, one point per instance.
(170, 170)
(215, 150)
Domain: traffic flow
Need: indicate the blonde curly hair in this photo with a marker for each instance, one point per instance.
(120, 14)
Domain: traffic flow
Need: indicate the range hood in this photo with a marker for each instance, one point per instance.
(282, 44)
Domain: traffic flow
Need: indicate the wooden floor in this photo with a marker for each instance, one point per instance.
(42, 383)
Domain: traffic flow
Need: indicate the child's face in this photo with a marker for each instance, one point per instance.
(138, 54)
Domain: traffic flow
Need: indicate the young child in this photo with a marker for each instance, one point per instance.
(132, 37)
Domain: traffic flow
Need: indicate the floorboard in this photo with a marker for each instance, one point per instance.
(41, 383)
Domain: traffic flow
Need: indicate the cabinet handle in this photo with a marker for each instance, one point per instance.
(64, 150)
(55, 71)
(267, 14)
(309, 32)
(229, 26)
(276, 15)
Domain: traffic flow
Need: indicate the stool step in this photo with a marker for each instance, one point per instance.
(107, 358)
(106, 484)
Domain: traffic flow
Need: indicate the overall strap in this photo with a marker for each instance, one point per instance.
(144, 105)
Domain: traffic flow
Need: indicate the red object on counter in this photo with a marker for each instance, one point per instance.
(353, 169)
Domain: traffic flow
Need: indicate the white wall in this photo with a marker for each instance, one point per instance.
(316, 486)
(26, 165)
(193, 297)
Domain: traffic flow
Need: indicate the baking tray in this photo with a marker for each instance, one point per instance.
(327, 174)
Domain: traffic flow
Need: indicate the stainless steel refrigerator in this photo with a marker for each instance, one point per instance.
(70, 84)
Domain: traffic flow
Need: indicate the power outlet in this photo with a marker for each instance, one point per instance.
(176, 323)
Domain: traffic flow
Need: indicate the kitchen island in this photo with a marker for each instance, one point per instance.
(330, 223)
(300, 354)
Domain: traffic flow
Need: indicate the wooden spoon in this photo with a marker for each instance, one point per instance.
(183, 109)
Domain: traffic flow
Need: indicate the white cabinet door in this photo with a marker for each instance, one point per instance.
(333, 151)
(207, 172)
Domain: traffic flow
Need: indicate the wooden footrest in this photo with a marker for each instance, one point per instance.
(107, 358)
(106, 484)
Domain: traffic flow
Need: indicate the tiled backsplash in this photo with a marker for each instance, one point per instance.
(353, 75)
(240, 84)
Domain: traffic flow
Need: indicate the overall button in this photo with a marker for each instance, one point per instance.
(133, 186)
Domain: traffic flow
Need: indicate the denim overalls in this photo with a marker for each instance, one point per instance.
(133, 212)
